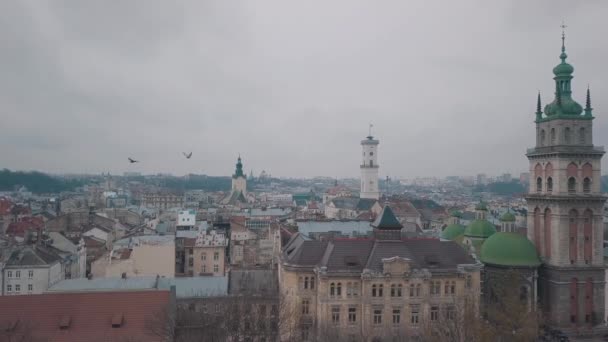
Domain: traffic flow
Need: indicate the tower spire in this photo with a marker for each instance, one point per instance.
(539, 112)
(588, 109)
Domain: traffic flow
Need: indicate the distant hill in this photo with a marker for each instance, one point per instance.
(502, 188)
(36, 182)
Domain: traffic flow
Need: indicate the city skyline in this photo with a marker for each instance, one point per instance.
(446, 96)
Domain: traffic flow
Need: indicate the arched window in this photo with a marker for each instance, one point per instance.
(567, 135)
(446, 289)
(542, 137)
(586, 185)
(412, 290)
(588, 236)
(573, 300)
(523, 293)
(571, 185)
(552, 136)
(393, 290)
(306, 282)
(539, 184)
(399, 290)
(453, 288)
(312, 283)
(374, 291)
(588, 300)
(573, 235)
(418, 290)
(547, 233)
(581, 136)
(339, 289)
(537, 228)
(332, 289)
(549, 184)
(380, 287)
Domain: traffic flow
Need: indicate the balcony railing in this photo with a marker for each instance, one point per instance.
(565, 148)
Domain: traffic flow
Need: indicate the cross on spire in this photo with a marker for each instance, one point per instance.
(563, 26)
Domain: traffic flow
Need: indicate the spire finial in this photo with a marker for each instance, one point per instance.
(563, 55)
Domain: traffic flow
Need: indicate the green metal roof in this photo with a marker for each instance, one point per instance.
(480, 229)
(508, 217)
(387, 220)
(452, 231)
(509, 249)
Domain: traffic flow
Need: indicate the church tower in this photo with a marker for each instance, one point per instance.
(369, 168)
(565, 208)
(239, 180)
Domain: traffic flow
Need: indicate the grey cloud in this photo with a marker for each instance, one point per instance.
(292, 86)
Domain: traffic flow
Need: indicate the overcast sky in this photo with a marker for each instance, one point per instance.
(450, 86)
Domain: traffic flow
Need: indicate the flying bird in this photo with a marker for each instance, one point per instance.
(187, 155)
(131, 160)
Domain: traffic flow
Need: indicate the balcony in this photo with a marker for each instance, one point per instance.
(566, 149)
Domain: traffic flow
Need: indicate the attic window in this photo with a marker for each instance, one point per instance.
(351, 261)
(290, 250)
(431, 260)
(64, 322)
(10, 326)
(117, 320)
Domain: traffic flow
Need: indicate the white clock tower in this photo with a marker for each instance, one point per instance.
(369, 167)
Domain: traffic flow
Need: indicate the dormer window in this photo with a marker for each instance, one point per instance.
(117, 320)
(64, 322)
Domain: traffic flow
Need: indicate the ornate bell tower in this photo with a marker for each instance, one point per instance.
(565, 210)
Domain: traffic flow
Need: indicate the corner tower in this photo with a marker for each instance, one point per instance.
(565, 208)
(369, 168)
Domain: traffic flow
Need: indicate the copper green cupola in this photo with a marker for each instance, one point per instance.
(239, 169)
(563, 106)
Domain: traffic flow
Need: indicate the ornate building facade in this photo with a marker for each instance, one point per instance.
(565, 210)
(381, 289)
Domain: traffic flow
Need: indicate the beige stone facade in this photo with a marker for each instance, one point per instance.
(384, 292)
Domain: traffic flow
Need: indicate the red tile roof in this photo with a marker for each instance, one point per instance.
(85, 317)
(5, 206)
(26, 223)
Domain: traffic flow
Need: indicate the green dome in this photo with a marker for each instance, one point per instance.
(480, 229)
(508, 217)
(563, 69)
(509, 249)
(452, 231)
(568, 107)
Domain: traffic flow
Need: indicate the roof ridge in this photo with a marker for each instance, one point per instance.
(372, 252)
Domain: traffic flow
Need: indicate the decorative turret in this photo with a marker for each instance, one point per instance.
(387, 226)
